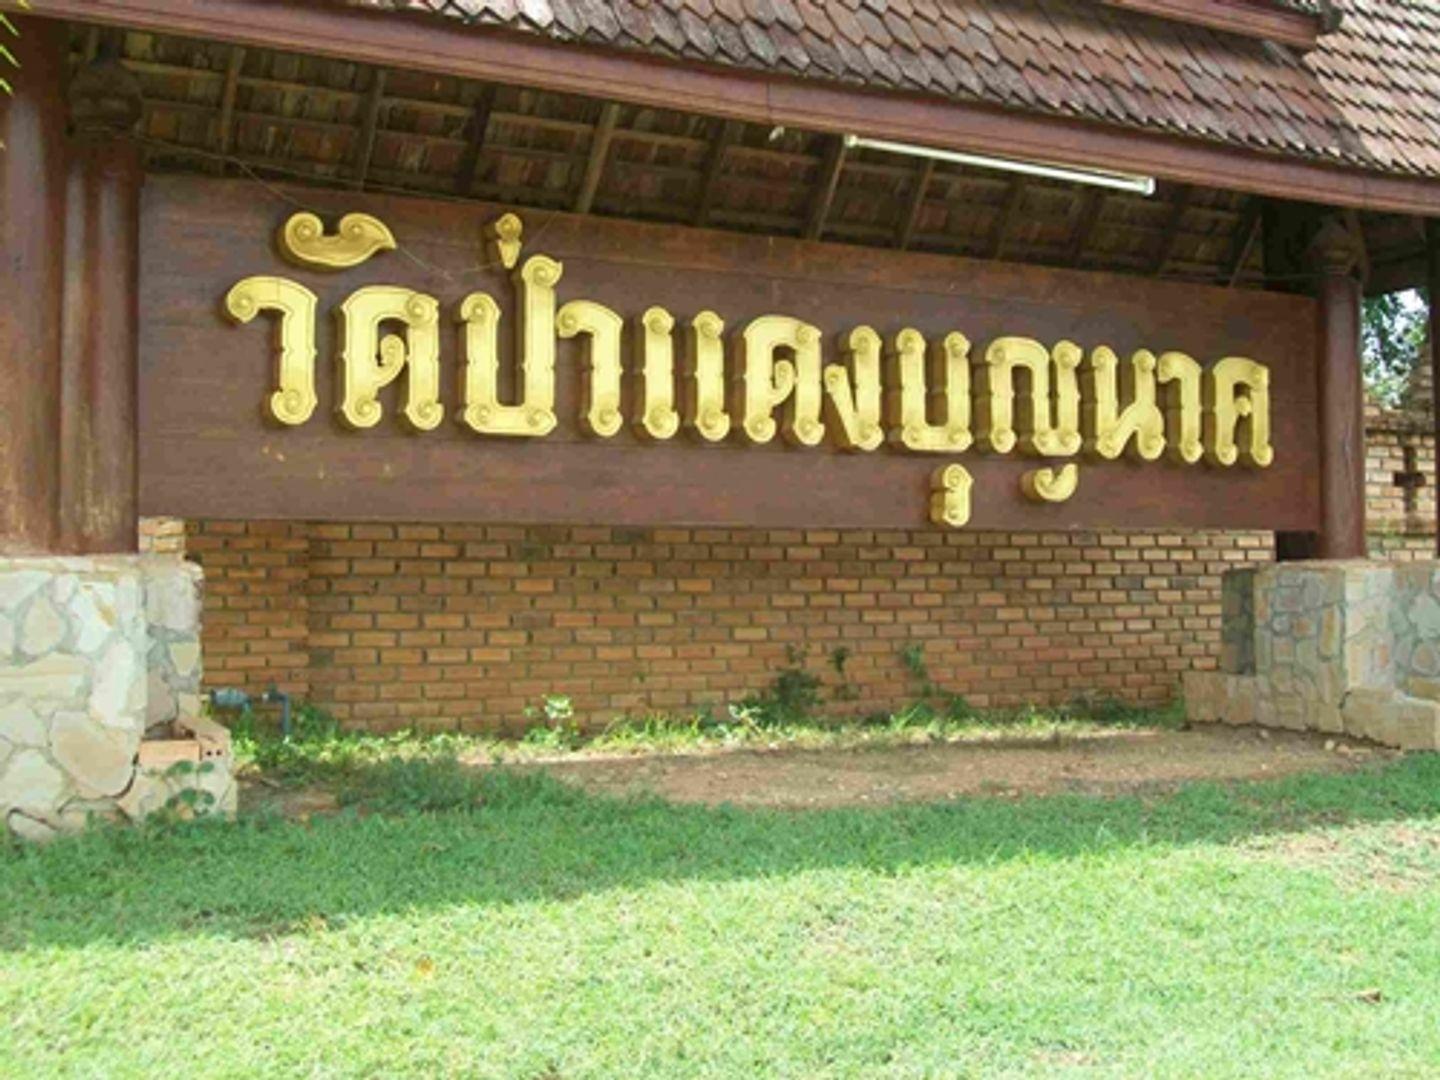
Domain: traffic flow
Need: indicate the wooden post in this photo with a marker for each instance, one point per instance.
(1342, 396)
(1432, 284)
(32, 232)
(99, 346)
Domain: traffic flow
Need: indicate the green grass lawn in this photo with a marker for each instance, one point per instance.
(1279, 929)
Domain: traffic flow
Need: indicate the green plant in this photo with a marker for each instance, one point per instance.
(844, 691)
(559, 731)
(935, 699)
(792, 696)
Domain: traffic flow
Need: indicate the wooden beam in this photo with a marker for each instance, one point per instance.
(225, 128)
(1246, 235)
(444, 46)
(995, 246)
(478, 127)
(599, 151)
(1171, 233)
(1249, 18)
(917, 202)
(369, 128)
(1092, 203)
(831, 166)
(1432, 278)
(714, 166)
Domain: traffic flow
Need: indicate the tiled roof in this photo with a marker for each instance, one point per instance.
(1368, 96)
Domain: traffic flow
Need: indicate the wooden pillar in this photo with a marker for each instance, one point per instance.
(99, 347)
(1333, 255)
(1432, 283)
(32, 242)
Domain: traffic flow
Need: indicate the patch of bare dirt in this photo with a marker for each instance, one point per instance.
(1103, 763)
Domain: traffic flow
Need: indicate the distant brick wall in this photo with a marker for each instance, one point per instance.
(464, 626)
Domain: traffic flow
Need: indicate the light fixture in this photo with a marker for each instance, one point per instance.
(1119, 181)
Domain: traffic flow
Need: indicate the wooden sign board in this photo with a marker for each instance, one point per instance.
(210, 448)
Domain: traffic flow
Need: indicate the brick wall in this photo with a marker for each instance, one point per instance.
(464, 626)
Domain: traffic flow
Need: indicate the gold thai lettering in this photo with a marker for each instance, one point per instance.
(1140, 426)
(853, 391)
(767, 382)
(1183, 421)
(943, 390)
(371, 360)
(1225, 409)
(534, 414)
(657, 416)
(294, 399)
(1051, 485)
(1050, 425)
(602, 326)
(950, 496)
(707, 347)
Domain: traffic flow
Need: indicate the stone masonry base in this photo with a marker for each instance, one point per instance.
(100, 694)
(1342, 647)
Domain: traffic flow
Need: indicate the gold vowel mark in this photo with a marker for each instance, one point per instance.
(919, 395)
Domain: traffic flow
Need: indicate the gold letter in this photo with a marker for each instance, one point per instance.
(1225, 408)
(294, 401)
(1110, 429)
(303, 241)
(950, 498)
(602, 394)
(657, 416)
(1182, 408)
(1046, 485)
(535, 415)
(857, 411)
(1051, 434)
(708, 348)
(767, 382)
(370, 361)
(912, 393)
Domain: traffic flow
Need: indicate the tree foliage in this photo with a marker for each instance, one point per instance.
(1392, 332)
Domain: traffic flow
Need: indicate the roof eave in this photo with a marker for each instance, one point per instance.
(424, 43)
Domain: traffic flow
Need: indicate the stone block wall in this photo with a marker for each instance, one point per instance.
(94, 654)
(1338, 647)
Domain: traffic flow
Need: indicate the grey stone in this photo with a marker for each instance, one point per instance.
(118, 695)
(172, 597)
(16, 586)
(94, 615)
(29, 828)
(20, 726)
(43, 628)
(32, 783)
(100, 759)
(7, 638)
(55, 677)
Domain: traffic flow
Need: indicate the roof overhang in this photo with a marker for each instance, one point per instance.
(425, 43)
(1262, 19)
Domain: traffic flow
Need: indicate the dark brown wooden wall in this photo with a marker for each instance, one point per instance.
(206, 450)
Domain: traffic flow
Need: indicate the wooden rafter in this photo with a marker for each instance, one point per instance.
(1013, 198)
(225, 128)
(370, 126)
(830, 168)
(714, 166)
(1171, 233)
(477, 127)
(1245, 238)
(599, 151)
(1091, 205)
(906, 232)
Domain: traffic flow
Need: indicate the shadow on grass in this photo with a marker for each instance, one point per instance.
(534, 839)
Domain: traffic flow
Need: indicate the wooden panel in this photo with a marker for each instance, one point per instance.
(205, 450)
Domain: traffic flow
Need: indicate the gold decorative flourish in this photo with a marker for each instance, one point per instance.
(505, 232)
(1048, 485)
(357, 238)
